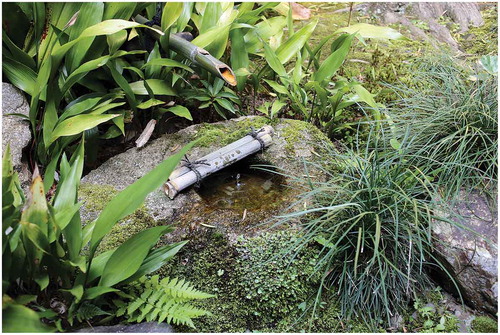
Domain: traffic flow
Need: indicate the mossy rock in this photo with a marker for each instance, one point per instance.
(293, 141)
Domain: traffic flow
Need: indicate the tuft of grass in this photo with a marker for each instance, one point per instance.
(372, 216)
(451, 110)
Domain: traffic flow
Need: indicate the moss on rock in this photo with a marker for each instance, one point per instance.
(484, 324)
(257, 288)
(96, 197)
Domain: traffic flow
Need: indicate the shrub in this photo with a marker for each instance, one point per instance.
(451, 113)
(372, 216)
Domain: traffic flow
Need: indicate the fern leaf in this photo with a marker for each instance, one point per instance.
(135, 305)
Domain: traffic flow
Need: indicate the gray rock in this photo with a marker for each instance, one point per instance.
(471, 254)
(15, 130)
(145, 327)
(292, 142)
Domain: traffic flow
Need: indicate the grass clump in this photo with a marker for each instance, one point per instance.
(484, 324)
(451, 112)
(372, 217)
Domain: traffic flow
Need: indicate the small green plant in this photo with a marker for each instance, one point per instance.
(431, 318)
(151, 299)
(214, 97)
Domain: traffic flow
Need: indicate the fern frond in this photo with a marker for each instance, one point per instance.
(165, 300)
(87, 311)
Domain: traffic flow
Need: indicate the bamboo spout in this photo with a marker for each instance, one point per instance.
(197, 55)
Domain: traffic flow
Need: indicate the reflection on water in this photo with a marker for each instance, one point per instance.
(240, 187)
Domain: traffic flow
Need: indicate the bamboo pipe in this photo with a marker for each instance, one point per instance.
(197, 55)
(222, 151)
(216, 163)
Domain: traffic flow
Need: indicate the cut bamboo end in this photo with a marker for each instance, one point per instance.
(170, 190)
(227, 74)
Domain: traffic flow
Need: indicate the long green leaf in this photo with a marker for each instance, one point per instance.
(127, 201)
(128, 257)
(273, 61)
(288, 49)
(90, 13)
(159, 87)
(334, 61)
(78, 124)
(171, 12)
(168, 63)
(20, 75)
(155, 260)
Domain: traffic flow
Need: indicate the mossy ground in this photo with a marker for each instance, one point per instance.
(257, 288)
(96, 197)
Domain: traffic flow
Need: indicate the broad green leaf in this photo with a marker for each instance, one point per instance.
(127, 201)
(153, 72)
(81, 71)
(64, 216)
(214, 40)
(263, 32)
(106, 107)
(20, 319)
(181, 111)
(155, 260)
(119, 10)
(18, 54)
(78, 124)
(159, 87)
(371, 31)
(239, 56)
(116, 40)
(333, 62)
(90, 13)
(128, 257)
(489, 63)
(150, 103)
(277, 87)
(19, 75)
(94, 292)
(168, 63)
(124, 85)
(182, 21)
(276, 107)
(288, 49)
(171, 12)
(273, 61)
(83, 104)
(98, 264)
(36, 210)
(36, 235)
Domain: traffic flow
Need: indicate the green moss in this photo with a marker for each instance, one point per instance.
(296, 132)
(483, 40)
(229, 132)
(484, 324)
(96, 197)
(257, 290)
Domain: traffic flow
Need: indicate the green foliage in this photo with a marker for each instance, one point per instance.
(167, 300)
(429, 314)
(451, 114)
(43, 241)
(484, 324)
(17, 318)
(214, 97)
(371, 216)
